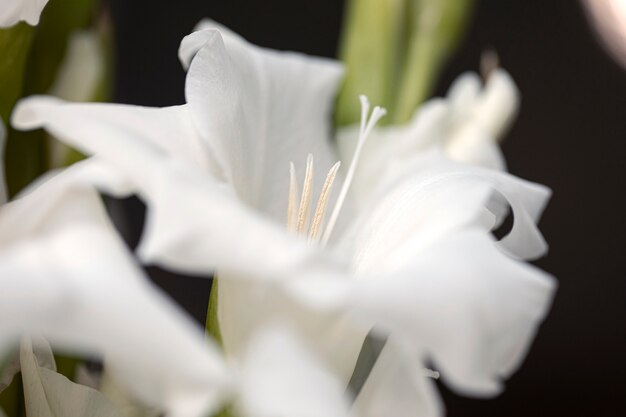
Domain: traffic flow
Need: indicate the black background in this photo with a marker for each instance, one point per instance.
(570, 135)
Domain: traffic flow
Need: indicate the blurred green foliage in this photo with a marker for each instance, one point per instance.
(394, 50)
(31, 59)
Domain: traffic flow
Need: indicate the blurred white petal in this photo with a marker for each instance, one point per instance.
(464, 304)
(49, 394)
(281, 378)
(397, 387)
(67, 276)
(14, 11)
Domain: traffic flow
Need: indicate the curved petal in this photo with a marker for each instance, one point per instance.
(527, 201)
(48, 393)
(41, 208)
(422, 209)
(462, 94)
(258, 110)
(498, 104)
(119, 131)
(14, 11)
(473, 146)
(466, 305)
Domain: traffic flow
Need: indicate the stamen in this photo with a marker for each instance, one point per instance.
(305, 200)
(365, 109)
(366, 128)
(429, 373)
(292, 208)
(320, 210)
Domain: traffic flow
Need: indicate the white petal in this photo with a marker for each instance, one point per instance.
(469, 307)
(281, 378)
(333, 337)
(396, 388)
(72, 280)
(49, 394)
(13, 11)
(117, 131)
(259, 110)
(473, 145)
(189, 47)
(192, 217)
(41, 208)
(462, 96)
(417, 210)
(527, 200)
(497, 106)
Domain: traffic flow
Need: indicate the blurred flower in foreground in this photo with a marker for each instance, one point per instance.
(608, 19)
(14, 11)
(65, 274)
(411, 260)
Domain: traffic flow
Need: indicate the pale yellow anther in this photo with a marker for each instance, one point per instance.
(320, 210)
(298, 214)
(292, 208)
(305, 199)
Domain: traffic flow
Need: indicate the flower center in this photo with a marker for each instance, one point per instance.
(298, 213)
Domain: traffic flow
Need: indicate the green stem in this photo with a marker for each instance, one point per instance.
(436, 29)
(371, 49)
(394, 50)
(23, 158)
(212, 322)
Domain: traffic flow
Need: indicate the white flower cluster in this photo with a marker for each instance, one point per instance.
(409, 265)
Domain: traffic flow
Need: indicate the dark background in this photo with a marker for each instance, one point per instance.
(570, 135)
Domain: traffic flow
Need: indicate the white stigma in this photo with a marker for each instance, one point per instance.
(298, 215)
(364, 131)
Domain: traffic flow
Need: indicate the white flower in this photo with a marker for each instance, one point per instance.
(14, 11)
(412, 260)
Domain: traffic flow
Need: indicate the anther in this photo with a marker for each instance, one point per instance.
(292, 208)
(305, 200)
(320, 210)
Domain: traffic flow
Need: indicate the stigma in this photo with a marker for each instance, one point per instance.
(299, 204)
